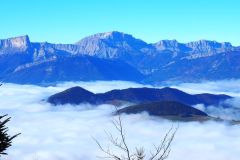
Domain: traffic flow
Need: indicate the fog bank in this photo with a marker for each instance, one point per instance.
(65, 132)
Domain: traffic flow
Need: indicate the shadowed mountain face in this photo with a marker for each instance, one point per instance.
(165, 109)
(108, 56)
(134, 95)
(79, 68)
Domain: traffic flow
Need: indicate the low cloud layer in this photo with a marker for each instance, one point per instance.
(229, 87)
(230, 109)
(65, 132)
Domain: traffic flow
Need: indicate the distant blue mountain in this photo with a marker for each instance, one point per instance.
(116, 56)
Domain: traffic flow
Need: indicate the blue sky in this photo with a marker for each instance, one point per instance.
(67, 21)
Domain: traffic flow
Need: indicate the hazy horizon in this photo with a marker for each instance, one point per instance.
(68, 130)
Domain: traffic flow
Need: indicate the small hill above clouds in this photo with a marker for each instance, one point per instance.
(75, 95)
(167, 109)
(167, 102)
(135, 95)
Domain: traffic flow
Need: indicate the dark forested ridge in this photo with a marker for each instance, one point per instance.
(78, 95)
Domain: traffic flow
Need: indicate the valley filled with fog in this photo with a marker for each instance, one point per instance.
(65, 132)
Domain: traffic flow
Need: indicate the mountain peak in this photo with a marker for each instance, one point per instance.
(207, 47)
(208, 43)
(195, 49)
(170, 45)
(112, 44)
(167, 42)
(15, 42)
(112, 35)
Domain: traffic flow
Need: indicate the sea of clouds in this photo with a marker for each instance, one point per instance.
(65, 132)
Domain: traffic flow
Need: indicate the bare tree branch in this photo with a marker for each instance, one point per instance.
(111, 155)
(163, 149)
(161, 152)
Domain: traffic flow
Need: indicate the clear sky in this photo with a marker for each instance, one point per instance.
(67, 21)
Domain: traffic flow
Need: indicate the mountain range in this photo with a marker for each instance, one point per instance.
(77, 95)
(116, 56)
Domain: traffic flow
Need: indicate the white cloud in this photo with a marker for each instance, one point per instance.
(64, 132)
(230, 87)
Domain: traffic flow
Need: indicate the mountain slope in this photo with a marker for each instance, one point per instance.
(78, 68)
(216, 67)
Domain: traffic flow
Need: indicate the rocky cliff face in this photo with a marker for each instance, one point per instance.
(196, 49)
(112, 45)
(12, 45)
(207, 48)
(171, 45)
